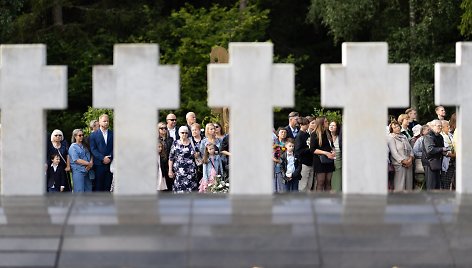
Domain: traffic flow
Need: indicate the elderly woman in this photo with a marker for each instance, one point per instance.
(404, 121)
(59, 146)
(401, 157)
(433, 152)
(81, 163)
(182, 165)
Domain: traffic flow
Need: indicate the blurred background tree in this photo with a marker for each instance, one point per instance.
(81, 34)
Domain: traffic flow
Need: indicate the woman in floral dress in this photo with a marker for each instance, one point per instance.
(182, 165)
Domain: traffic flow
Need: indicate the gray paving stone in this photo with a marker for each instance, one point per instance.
(256, 243)
(375, 259)
(29, 244)
(27, 259)
(86, 259)
(254, 258)
(125, 244)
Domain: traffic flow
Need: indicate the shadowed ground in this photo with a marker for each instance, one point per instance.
(299, 230)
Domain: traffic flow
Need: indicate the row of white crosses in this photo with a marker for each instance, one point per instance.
(364, 85)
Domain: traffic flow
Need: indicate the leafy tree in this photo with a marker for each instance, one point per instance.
(419, 33)
(187, 37)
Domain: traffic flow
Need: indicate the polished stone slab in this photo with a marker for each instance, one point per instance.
(299, 230)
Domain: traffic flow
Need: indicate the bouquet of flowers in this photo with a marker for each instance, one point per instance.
(278, 150)
(219, 185)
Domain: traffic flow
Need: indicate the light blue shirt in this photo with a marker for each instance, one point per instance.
(77, 152)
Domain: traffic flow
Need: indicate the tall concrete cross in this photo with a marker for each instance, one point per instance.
(364, 85)
(136, 86)
(251, 86)
(27, 88)
(452, 87)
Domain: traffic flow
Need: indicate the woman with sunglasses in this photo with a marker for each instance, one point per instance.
(182, 167)
(60, 147)
(81, 163)
(219, 131)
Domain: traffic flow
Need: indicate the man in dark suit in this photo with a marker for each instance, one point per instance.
(292, 128)
(171, 121)
(101, 146)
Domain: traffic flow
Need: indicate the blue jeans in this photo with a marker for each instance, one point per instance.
(82, 182)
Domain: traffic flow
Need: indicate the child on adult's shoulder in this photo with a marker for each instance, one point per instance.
(56, 177)
(291, 167)
(212, 167)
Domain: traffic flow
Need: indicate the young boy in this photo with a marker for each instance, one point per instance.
(291, 167)
(56, 177)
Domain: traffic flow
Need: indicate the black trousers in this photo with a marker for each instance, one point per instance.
(103, 178)
(433, 178)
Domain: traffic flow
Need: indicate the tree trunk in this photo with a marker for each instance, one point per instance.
(57, 13)
(242, 4)
(413, 96)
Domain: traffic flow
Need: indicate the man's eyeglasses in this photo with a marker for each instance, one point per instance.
(172, 119)
(186, 133)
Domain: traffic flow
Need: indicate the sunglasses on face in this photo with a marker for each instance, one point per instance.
(58, 135)
(80, 135)
(186, 133)
(172, 119)
(162, 128)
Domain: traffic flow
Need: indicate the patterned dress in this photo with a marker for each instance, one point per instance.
(184, 167)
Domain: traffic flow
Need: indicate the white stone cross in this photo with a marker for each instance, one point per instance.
(365, 85)
(452, 87)
(251, 85)
(136, 87)
(27, 88)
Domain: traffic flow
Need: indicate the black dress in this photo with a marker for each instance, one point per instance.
(318, 167)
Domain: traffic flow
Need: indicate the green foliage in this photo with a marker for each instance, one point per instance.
(211, 118)
(94, 114)
(346, 19)
(187, 38)
(420, 33)
(466, 18)
(331, 115)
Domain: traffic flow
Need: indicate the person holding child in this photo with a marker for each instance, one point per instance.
(212, 167)
(56, 176)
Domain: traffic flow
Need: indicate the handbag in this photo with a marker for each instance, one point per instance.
(435, 164)
(199, 159)
(325, 160)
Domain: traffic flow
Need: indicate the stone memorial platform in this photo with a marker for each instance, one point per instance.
(298, 230)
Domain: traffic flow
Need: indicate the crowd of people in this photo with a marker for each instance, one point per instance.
(307, 155)
(188, 160)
